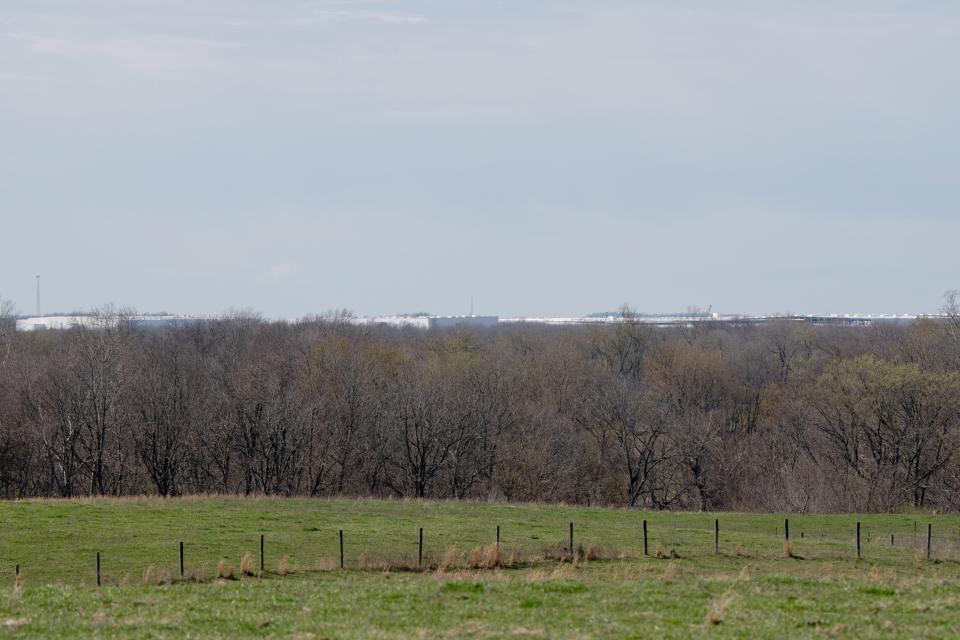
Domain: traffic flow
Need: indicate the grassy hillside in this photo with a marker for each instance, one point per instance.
(749, 589)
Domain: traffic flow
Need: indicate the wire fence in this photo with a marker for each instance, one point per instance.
(275, 551)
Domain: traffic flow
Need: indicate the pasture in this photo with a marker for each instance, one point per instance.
(750, 585)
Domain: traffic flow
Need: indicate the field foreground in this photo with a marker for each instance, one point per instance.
(531, 587)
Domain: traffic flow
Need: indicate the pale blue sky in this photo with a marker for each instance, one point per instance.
(545, 157)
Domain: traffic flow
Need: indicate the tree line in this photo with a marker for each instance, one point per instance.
(777, 416)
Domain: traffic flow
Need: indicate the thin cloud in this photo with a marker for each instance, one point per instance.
(278, 272)
(345, 15)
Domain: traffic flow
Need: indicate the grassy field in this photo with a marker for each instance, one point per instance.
(683, 588)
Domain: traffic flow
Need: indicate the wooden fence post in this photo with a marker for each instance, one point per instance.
(341, 548)
(261, 554)
(571, 540)
(181, 559)
(645, 550)
(98, 568)
(420, 549)
(929, 536)
(716, 535)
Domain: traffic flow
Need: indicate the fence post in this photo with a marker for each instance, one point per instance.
(16, 575)
(571, 540)
(891, 539)
(261, 553)
(341, 548)
(786, 529)
(181, 559)
(929, 536)
(645, 538)
(420, 549)
(858, 540)
(716, 535)
(498, 536)
(98, 568)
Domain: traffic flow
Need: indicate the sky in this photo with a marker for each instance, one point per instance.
(542, 157)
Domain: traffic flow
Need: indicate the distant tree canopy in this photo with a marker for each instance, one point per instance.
(781, 416)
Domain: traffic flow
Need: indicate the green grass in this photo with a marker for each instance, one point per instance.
(892, 592)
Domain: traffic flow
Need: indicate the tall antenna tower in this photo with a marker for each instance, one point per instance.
(38, 295)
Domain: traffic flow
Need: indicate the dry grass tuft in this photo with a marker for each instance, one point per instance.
(669, 572)
(162, 576)
(658, 553)
(492, 557)
(718, 608)
(450, 558)
(326, 564)
(283, 566)
(367, 563)
(148, 574)
(199, 574)
(485, 557)
(739, 551)
(224, 570)
(788, 550)
(593, 552)
(246, 565)
(744, 573)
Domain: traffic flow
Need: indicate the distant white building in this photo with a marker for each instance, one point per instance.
(41, 323)
(415, 321)
(449, 322)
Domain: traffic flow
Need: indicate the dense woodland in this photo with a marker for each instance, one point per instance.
(779, 416)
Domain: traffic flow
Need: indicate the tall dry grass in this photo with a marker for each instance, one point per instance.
(246, 565)
(224, 570)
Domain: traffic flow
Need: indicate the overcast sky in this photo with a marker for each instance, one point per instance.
(544, 157)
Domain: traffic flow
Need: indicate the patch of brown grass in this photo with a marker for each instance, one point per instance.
(718, 608)
(492, 556)
(450, 559)
(326, 564)
(199, 574)
(488, 557)
(246, 565)
(224, 570)
(283, 567)
(669, 572)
